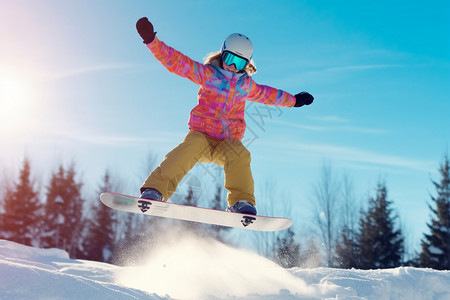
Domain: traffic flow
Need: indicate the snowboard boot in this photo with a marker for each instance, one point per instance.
(242, 207)
(152, 194)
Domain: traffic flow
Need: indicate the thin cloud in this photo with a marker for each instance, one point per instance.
(86, 70)
(330, 119)
(355, 155)
(362, 67)
(107, 140)
(334, 128)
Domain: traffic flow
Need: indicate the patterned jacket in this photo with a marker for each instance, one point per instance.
(221, 98)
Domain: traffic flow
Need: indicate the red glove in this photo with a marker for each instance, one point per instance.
(145, 30)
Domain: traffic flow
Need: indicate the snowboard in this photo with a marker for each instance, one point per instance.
(193, 213)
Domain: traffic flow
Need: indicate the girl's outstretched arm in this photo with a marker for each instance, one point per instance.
(268, 95)
(271, 96)
(173, 60)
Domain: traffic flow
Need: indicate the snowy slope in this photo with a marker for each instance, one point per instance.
(193, 268)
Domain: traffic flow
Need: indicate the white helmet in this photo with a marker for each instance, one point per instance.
(238, 44)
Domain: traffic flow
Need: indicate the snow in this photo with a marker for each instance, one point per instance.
(60, 219)
(434, 250)
(186, 267)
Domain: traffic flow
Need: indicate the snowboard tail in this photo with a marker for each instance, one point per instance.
(193, 213)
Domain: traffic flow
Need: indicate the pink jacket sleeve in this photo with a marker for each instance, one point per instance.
(269, 95)
(178, 63)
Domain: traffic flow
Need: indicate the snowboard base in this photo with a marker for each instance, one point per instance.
(193, 213)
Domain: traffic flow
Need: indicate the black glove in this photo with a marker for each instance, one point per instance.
(303, 98)
(145, 30)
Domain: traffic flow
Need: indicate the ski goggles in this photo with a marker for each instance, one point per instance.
(232, 59)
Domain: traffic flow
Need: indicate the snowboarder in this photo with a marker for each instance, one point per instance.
(217, 122)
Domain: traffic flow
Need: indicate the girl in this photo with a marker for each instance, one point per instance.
(217, 123)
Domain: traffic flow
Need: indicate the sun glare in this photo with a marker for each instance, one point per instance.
(17, 101)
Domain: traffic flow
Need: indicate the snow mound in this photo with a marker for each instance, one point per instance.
(190, 267)
(186, 267)
(399, 283)
(32, 273)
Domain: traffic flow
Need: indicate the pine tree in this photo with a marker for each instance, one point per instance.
(63, 212)
(380, 244)
(216, 231)
(347, 249)
(191, 199)
(218, 201)
(436, 245)
(287, 253)
(98, 244)
(22, 210)
(54, 216)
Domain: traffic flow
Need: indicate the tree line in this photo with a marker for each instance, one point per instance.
(61, 217)
(370, 238)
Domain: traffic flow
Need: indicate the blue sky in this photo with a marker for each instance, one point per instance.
(77, 84)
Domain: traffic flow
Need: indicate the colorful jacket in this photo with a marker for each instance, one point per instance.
(221, 98)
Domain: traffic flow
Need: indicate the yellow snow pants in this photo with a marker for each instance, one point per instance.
(197, 147)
